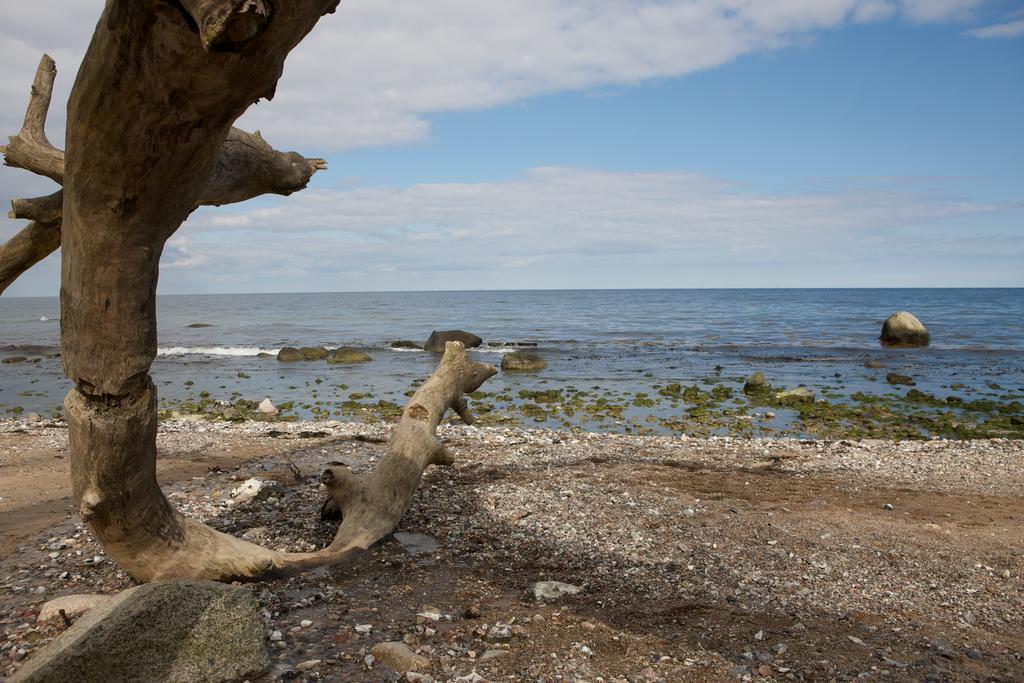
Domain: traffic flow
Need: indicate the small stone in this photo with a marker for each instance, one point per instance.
(548, 591)
(413, 677)
(73, 606)
(888, 506)
(399, 657)
(275, 636)
(759, 635)
(305, 623)
(363, 628)
(472, 612)
(856, 641)
(499, 633)
(492, 654)
(308, 664)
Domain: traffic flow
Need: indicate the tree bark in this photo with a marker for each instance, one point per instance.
(149, 138)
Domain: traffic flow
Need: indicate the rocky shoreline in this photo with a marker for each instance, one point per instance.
(696, 558)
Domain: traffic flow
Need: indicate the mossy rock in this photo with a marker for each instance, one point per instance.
(314, 352)
(522, 362)
(15, 359)
(289, 355)
(406, 344)
(797, 396)
(756, 384)
(348, 356)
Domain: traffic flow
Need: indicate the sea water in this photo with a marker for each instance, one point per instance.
(624, 341)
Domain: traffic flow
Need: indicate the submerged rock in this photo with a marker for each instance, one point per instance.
(437, 340)
(903, 329)
(406, 344)
(174, 631)
(757, 384)
(519, 361)
(198, 325)
(15, 359)
(348, 356)
(897, 378)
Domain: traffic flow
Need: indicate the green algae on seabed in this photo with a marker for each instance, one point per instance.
(676, 408)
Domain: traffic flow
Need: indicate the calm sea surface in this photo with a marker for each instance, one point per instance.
(620, 340)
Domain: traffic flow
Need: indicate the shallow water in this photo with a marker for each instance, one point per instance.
(621, 341)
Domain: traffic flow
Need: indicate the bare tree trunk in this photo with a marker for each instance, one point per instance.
(149, 138)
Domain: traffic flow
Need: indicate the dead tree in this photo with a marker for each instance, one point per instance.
(150, 138)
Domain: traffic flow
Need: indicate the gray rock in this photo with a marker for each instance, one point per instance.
(405, 344)
(175, 631)
(903, 329)
(757, 384)
(522, 362)
(548, 591)
(399, 657)
(437, 340)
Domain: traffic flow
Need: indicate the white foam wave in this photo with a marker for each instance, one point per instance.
(407, 350)
(502, 350)
(213, 351)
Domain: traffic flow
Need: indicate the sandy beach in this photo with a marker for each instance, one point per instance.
(697, 559)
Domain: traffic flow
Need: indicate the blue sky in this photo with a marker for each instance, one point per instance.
(684, 144)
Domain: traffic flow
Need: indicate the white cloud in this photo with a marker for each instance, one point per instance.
(1009, 29)
(571, 220)
(370, 73)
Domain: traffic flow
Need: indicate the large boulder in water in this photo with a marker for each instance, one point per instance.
(439, 339)
(313, 352)
(289, 355)
(903, 329)
(522, 362)
(176, 631)
(348, 356)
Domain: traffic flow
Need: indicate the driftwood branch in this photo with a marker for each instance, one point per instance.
(31, 245)
(152, 541)
(246, 166)
(30, 149)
